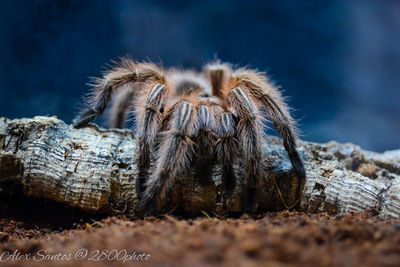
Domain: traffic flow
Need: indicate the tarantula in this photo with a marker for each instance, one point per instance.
(186, 119)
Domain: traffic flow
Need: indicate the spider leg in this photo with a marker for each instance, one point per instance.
(227, 150)
(205, 144)
(120, 105)
(226, 145)
(283, 124)
(125, 73)
(149, 120)
(102, 90)
(217, 74)
(175, 155)
(278, 112)
(250, 136)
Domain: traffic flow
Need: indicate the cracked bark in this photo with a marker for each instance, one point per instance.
(92, 169)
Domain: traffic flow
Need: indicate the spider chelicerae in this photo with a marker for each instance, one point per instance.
(187, 119)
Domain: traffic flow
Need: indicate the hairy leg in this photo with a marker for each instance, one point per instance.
(175, 155)
(250, 136)
(205, 144)
(270, 98)
(124, 73)
(226, 145)
(227, 150)
(149, 119)
(217, 73)
(120, 105)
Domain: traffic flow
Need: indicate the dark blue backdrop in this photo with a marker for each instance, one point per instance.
(338, 61)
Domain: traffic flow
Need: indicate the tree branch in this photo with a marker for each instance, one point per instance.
(92, 168)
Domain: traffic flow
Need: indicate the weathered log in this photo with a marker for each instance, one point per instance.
(93, 169)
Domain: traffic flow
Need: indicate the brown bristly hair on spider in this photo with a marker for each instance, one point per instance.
(187, 119)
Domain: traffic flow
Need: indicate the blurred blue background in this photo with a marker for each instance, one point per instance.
(338, 61)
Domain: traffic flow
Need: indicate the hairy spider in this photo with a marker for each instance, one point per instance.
(186, 119)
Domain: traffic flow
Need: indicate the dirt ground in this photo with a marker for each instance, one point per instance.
(59, 236)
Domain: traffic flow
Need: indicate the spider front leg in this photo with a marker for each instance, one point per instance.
(284, 125)
(226, 145)
(268, 96)
(174, 156)
(205, 144)
(149, 120)
(250, 135)
(227, 150)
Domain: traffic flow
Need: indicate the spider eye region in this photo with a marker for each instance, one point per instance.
(205, 95)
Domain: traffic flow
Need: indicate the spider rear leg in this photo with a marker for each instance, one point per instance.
(149, 122)
(175, 156)
(217, 74)
(126, 73)
(250, 135)
(101, 96)
(120, 106)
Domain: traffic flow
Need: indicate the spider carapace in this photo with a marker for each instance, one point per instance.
(188, 119)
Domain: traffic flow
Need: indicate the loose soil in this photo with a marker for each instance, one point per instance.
(34, 230)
